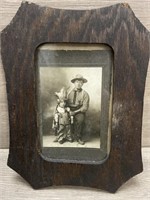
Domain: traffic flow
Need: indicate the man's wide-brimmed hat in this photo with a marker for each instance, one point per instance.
(79, 77)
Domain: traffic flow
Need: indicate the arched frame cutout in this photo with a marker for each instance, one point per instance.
(59, 130)
(115, 26)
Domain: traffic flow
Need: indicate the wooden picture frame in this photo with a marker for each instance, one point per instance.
(115, 26)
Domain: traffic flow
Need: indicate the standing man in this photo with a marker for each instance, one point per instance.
(78, 101)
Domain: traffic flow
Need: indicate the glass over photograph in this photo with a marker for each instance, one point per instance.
(74, 97)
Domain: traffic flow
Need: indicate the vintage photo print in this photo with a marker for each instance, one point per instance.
(70, 95)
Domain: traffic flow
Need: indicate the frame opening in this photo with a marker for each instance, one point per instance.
(74, 101)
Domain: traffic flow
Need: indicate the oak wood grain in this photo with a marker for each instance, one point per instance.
(8, 9)
(14, 187)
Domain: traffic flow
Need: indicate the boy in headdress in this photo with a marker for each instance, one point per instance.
(62, 119)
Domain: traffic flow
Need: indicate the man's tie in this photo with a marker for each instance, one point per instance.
(74, 97)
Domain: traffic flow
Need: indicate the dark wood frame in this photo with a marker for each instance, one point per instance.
(115, 26)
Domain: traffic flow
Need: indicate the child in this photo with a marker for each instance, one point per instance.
(62, 119)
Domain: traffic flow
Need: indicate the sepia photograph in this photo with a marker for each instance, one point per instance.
(70, 95)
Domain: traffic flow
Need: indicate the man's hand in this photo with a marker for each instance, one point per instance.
(72, 113)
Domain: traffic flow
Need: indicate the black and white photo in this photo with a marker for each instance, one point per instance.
(70, 96)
